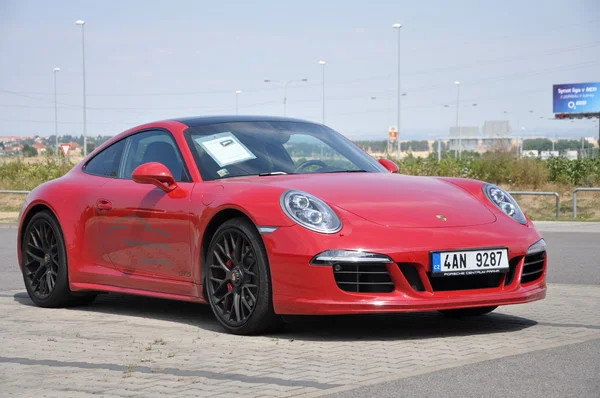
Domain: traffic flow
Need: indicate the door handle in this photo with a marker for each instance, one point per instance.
(103, 205)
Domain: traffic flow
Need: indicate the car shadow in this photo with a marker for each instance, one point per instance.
(376, 327)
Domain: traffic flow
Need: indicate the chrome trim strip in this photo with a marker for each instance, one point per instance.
(342, 259)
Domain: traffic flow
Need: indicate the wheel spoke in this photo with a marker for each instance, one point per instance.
(250, 294)
(223, 297)
(49, 282)
(227, 250)
(221, 262)
(238, 248)
(222, 283)
(245, 302)
(34, 256)
(236, 306)
(36, 241)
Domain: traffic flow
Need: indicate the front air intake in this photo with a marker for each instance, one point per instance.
(363, 277)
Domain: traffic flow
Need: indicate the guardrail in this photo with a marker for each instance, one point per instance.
(575, 198)
(555, 194)
(10, 191)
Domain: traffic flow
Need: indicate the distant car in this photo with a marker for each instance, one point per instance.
(262, 217)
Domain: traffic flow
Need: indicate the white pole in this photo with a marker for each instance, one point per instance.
(323, 64)
(439, 150)
(398, 26)
(82, 24)
(457, 111)
(237, 94)
(56, 70)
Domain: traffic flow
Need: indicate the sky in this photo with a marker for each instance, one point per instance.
(151, 60)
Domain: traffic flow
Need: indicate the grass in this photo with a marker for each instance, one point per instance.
(557, 175)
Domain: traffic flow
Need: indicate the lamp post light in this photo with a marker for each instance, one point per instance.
(322, 63)
(237, 94)
(285, 86)
(399, 28)
(54, 72)
(82, 24)
(457, 113)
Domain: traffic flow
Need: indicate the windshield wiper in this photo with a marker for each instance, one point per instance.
(346, 171)
(271, 173)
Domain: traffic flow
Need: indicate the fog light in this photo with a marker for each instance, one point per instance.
(337, 267)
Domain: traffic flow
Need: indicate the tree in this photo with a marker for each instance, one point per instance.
(29, 151)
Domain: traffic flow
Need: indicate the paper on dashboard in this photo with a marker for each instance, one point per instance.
(225, 149)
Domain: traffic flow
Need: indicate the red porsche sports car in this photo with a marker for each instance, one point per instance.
(262, 217)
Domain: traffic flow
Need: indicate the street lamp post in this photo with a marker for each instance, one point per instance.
(82, 24)
(55, 71)
(322, 63)
(237, 94)
(398, 26)
(457, 112)
(285, 86)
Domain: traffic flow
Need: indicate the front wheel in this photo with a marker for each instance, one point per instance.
(475, 311)
(238, 281)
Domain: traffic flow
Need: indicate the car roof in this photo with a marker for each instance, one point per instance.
(194, 121)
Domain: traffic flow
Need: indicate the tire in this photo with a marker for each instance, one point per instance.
(44, 264)
(238, 280)
(463, 312)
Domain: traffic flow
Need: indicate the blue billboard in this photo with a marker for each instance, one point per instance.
(576, 98)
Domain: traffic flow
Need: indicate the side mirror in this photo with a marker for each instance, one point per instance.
(156, 174)
(389, 165)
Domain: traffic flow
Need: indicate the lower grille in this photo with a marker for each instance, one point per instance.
(512, 270)
(464, 282)
(363, 277)
(533, 267)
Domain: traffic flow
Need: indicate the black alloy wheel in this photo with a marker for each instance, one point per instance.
(44, 264)
(40, 259)
(238, 280)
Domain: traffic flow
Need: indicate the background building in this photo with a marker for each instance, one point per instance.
(494, 134)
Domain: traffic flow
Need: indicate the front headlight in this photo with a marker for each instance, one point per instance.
(504, 202)
(310, 212)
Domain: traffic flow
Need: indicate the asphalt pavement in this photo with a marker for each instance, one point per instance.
(571, 370)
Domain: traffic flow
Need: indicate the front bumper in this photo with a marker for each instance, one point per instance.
(303, 289)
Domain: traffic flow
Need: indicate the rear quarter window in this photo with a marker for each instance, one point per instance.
(107, 162)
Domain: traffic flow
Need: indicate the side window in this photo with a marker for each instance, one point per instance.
(154, 146)
(106, 163)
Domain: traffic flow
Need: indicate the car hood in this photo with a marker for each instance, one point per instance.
(391, 199)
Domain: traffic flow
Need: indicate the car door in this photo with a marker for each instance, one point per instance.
(146, 231)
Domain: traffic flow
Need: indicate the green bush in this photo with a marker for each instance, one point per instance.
(19, 175)
(505, 168)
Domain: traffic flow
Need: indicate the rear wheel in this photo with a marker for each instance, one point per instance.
(238, 280)
(44, 265)
(462, 312)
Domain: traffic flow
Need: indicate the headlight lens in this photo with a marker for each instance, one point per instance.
(504, 202)
(310, 212)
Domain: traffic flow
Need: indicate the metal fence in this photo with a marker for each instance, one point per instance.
(9, 191)
(575, 198)
(555, 194)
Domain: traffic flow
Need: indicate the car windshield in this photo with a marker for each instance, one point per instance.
(224, 150)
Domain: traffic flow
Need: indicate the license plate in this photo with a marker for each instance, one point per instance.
(469, 262)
